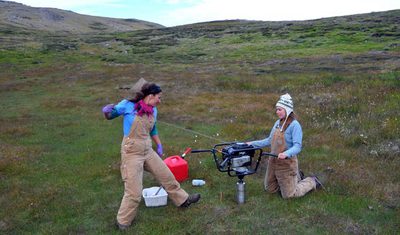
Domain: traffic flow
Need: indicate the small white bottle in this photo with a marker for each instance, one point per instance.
(198, 182)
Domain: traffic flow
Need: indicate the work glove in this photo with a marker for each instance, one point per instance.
(108, 108)
(159, 150)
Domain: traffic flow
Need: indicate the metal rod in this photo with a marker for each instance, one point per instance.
(158, 190)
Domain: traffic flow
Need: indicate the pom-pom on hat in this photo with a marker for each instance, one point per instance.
(286, 102)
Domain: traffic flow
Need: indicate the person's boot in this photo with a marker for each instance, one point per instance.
(193, 198)
(318, 182)
(301, 175)
(121, 227)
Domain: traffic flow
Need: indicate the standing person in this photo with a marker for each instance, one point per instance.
(139, 126)
(285, 140)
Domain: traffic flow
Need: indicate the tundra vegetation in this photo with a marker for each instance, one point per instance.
(59, 162)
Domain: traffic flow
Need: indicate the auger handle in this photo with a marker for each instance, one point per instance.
(269, 154)
(202, 151)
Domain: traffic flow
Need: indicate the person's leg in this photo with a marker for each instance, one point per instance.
(270, 181)
(155, 165)
(287, 174)
(132, 175)
(304, 186)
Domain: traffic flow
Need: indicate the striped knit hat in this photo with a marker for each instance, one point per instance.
(286, 102)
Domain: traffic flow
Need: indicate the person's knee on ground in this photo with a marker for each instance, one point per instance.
(271, 189)
(287, 195)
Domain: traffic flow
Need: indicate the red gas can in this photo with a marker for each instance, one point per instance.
(178, 166)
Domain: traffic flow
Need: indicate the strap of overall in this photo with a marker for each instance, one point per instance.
(278, 143)
(144, 122)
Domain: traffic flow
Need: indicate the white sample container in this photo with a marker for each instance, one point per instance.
(153, 200)
(198, 182)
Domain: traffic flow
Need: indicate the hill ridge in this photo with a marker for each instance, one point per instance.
(13, 14)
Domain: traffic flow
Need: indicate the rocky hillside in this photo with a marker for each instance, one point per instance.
(15, 15)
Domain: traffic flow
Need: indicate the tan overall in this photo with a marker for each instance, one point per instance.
(137, 155)
(282, 174)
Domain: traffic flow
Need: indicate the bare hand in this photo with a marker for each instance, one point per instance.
(282, 156)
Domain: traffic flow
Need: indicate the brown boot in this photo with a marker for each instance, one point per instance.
(318, 182)
(193, 198)
(121, 227)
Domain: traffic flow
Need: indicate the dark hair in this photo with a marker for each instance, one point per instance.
(147, 89)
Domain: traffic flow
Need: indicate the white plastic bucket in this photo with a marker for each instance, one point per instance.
(152, 200)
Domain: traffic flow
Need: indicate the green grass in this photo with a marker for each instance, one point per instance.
(59, 162)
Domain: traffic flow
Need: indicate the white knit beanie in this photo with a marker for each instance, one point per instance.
(286, 102)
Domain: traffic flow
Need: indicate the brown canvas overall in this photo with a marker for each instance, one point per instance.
(137, 155)
(282, 174)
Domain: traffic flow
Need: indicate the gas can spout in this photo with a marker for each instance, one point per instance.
(188, 150)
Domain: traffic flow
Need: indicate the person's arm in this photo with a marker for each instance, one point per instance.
(297, 138)
(109, 112)
(157, 141)
(112, 111)
(155, 137)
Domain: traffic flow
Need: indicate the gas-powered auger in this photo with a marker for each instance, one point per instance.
(237, 160)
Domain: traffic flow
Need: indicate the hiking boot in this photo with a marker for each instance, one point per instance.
(301, 175)
(193, 198)
(318, 182)
(121, 227)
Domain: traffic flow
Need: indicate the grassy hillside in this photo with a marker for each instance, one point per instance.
(15, 15)
(59, 163)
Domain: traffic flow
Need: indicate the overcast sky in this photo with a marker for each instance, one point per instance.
(180, 12)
